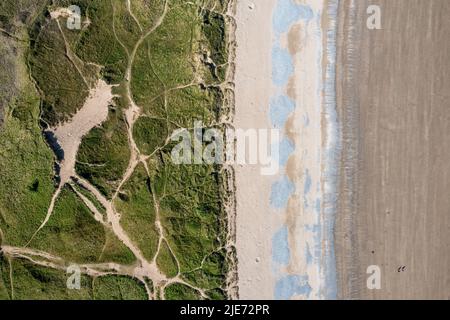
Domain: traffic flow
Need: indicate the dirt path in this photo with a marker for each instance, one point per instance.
(393, 101)
(113, 218)
(132, 14)
(97, 215)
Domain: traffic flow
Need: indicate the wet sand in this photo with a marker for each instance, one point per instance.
(394, 207)
(284, 222)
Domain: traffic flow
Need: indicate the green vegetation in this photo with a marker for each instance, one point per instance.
(214, 30)
(171, 48)
(63, 88)
(216, 294)
(95, 43)
(5, 282)
(26, 184)
(26, 171)
(73, 234)
(185, 106)
(119, 288)
(150, 134)
(193, 219)
(135, 203)
(166, 261)
(212, 273)
(115, 251)
(191, 212)
(125, 27)
(32, 282)
(104, 154)
(147, 11)
(175, 77)
(101, 209)
(15, 14)
(179, 291)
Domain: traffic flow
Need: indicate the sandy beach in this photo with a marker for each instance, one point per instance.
(363, 160)
(395, 174)
(255, 220)
(284, 222)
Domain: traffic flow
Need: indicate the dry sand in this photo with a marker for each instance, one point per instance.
(393, 91)
(93, 113)
(255, 220)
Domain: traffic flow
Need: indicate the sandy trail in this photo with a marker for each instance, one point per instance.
(113, 218)
(146, 269)
(46, 260)
(31, 252)
(97, 215)
(60, 12)
(133, 112)
(132, 14)
(49, 214)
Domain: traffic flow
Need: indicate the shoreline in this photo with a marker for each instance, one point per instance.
(285, 241)
(347, 256)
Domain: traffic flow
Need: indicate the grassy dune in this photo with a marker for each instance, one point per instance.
(176, 68)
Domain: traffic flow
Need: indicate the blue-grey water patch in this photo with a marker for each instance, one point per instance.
(317, 206)
(288, 12)
(280, 108)
(282, 66)
(286, 149)
(281, 192)
(292, 285)
(309, 256)
(312, 228)
(308, 182)
(280, 247)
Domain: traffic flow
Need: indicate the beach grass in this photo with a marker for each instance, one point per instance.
(113, 287)
(137, 208)
(173, 83)
(179, 291)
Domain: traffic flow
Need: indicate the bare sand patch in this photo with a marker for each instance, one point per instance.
(69, 134)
